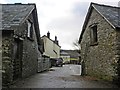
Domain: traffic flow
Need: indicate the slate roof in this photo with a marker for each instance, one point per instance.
(109, 13)
(50, 40)
(63, 53)
(112, 14)
(15, 14)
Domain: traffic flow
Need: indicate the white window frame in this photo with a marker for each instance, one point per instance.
(29, 23)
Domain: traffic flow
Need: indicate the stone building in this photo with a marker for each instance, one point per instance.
(51, 47)
(21, 43)
(100, 43)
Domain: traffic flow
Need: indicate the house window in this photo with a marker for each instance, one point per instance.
(93, 35)
(30, 29)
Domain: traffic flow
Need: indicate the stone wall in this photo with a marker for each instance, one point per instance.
(117, 55)
(0, 50)
(7, 68)
(0, 59)
(100, 59)
(30, 56)
(30, 50)
(28, 59)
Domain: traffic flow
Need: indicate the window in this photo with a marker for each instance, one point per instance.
(30, 29)
(93, 35)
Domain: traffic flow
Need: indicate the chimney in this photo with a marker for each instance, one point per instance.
(56, 41)
(48, 34)
(55, 38)
(18, 3)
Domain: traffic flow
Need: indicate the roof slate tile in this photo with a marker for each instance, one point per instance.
(112, 14)
(13, 14)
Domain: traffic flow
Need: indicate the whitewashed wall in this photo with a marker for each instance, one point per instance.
(50, 48)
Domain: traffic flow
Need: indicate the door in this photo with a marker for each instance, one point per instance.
(17, 63)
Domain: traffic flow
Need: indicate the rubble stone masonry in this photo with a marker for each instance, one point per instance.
(101, 60)
(7, 68)
(28, 53)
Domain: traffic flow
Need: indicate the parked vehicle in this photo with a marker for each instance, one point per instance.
(59, 62)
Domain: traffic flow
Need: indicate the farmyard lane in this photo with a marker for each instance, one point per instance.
(67, 76)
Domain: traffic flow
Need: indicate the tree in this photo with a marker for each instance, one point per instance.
(77, 46)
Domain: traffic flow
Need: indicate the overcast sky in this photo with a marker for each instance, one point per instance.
(62, 18)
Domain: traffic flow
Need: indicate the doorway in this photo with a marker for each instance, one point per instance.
(17, 63)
